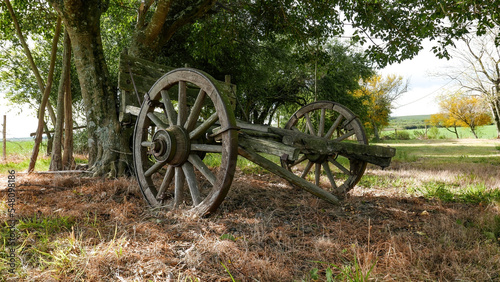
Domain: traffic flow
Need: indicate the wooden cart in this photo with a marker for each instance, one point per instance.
(186, 140)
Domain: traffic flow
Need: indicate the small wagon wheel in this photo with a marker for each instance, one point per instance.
(185, 146)
(330, 120)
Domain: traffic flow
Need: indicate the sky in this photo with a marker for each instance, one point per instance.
(424, 87)
(20, 122)
(419, 100)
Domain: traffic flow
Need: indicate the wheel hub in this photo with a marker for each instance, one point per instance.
(317, 158)
(171, 145)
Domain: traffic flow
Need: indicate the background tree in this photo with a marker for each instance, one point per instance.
(400, 26)
(445, 120)
(378, 95)
(468, 111)
(479, 72)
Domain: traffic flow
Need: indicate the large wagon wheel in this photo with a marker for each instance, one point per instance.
(330, 120)
(185, 146)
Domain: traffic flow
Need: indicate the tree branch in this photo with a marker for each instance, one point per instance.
(155, 26)
(197, 12)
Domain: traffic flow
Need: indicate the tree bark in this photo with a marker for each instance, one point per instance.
(49, 141)
(56, 160)
(495, 108)
(165, 21)
(82, 21)
(67, 158)
(375, 131)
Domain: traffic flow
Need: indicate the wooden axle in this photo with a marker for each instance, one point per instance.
(377, 155)
(289, 143)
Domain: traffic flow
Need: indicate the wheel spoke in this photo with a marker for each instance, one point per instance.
(329, 174)
(188, 170)
(156, 120)
(147, 144)
(301, 159)
(197, 132)
(154, 168)
(179, 186)
(309, 124)
(195, 111)
(341, 167)
(206, 148)
(317, 174)
(328, 121)
(333, 127)
(345, 136)
(321, 128)
(167, 180)
(169, 108)
(307, 169)
(182, 104)
(202, 167)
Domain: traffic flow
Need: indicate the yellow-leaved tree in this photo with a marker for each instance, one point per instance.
(460, 109)
(378, 94)
(447, 121)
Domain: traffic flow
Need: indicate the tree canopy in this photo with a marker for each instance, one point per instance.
(267, 46)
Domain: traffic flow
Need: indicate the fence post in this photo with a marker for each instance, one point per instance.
(4, 137)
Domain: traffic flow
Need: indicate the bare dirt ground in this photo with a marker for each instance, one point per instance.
(265, 230)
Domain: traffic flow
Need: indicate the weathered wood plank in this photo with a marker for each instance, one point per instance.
(373, 154)
(268, 147)
(287, 175)
(145, 73)
(144, 76)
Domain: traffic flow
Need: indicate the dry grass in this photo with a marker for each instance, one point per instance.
(264, 231)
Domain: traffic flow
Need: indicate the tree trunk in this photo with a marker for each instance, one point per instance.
(495, 108)
(56, 160)
(456, 132)
(375, 132)
(67, 158)
(82, 21)
(49, 142)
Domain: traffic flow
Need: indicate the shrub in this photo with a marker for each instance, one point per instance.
(403, 135)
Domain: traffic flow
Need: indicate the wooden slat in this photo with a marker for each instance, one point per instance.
(268, 147)
(377, 155)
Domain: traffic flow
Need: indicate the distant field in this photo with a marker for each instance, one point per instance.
(484, 132)
(404, 121)
(401, 124)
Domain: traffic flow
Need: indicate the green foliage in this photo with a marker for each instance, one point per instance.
(397, 135)
(37, 21)
(403, 24)
(228, 236)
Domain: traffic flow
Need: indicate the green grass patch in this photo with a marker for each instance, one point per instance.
(19, 154)
(444, 151)
(37, 242)
(246, 166)
(471, 194)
